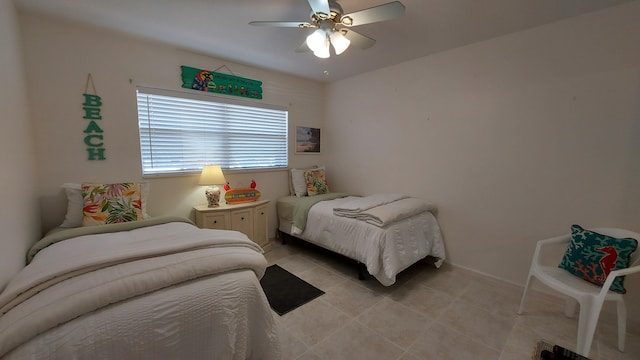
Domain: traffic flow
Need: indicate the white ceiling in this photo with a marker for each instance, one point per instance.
(220, 28)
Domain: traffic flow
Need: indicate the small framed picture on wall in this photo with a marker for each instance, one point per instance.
(307, 140)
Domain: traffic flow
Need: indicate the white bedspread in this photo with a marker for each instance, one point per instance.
(84, 276)
(385, 251)
(224, 317)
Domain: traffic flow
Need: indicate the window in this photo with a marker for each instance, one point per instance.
(180, 132)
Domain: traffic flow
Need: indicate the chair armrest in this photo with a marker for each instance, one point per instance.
(623, 272)
(555, 240)
(615, 273)
(563, 239)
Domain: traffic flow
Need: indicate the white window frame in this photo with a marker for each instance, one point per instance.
(181, 131)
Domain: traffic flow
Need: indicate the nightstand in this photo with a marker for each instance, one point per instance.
(250, 218)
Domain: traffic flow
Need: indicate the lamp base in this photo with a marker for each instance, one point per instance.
(213, 196)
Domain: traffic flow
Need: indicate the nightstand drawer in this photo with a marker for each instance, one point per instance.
(215, 221)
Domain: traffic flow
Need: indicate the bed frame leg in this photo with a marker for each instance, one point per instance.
(283, 237)
(362, 269)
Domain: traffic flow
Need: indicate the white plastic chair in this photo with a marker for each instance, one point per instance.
(589, 296)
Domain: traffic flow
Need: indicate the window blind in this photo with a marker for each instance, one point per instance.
(180, 132)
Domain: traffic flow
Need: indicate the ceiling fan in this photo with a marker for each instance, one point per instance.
(333, 26)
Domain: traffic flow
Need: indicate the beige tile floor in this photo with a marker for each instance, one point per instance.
(446, 313)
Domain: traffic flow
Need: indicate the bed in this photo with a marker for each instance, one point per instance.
(157, 288)
(386, 233)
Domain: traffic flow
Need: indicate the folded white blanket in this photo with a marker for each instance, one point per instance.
(383, 209)
(386, 214)
(361, 204)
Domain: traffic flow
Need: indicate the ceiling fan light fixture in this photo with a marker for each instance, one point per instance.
(316, 41)
(326, 15)
(339, 41)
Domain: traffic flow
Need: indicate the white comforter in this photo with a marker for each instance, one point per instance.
(384, 250)
(90, 282)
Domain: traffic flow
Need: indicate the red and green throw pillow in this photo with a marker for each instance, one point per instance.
(592, 256)
(316, 182)
(111, 203)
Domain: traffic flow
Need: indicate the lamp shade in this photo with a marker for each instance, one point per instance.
(211, 175)
(340, 42)
(323, 51)
(316, 41)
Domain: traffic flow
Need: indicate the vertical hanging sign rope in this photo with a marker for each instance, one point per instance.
(93, 133)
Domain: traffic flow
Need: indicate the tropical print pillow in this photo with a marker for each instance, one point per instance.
(592, 256)
(316, 182)
(111, 203)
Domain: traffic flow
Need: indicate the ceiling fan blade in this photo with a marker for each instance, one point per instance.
(303, 47)
(320, 6)
(357, 39)
(292, 24)
(382, 12)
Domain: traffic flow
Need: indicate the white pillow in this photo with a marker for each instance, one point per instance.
(75, 204)
(298, 181)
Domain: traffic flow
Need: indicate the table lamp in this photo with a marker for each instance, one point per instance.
(212, 176)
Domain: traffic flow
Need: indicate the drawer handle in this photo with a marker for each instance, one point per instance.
(262, 213)
(242, 218)
(215, 221)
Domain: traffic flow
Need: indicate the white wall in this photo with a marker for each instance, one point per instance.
(19, 217)
(59, 55)
(515, 138)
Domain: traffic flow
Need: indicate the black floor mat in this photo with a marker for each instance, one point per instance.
(286, 291)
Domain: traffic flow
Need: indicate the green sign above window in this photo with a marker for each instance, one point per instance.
(211, 81)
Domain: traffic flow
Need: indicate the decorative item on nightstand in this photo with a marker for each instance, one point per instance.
(242, 195)
(212, 175)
